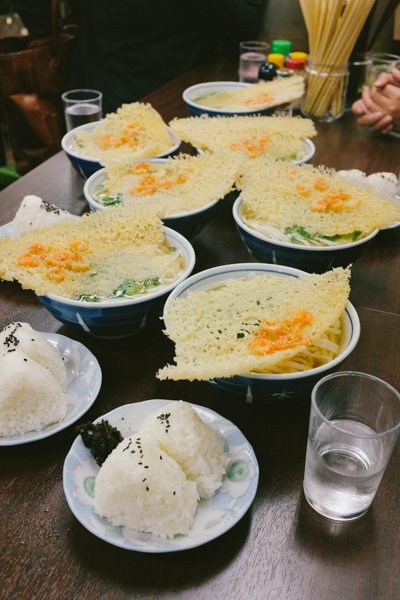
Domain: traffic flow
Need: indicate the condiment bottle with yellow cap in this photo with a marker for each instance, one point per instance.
(277, 59)
(300, 56)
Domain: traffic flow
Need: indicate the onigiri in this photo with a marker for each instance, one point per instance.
(30, 397)
(142, 488)
(21, 336)
(34, 213)
(195, 446)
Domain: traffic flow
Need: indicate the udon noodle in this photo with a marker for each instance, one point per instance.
(323, 351)
(298, 235)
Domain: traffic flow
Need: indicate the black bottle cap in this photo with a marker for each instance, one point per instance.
(267, 71)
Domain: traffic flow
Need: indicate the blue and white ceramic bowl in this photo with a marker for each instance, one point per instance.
(201, 89)
(85, 165)
(307, 154)
(188, 224)
(314, 259)
(119, 318)
(260, 387)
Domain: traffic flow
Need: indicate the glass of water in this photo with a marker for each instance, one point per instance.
(81, 107)
(354, 424)
(252, 56)
(381, 63)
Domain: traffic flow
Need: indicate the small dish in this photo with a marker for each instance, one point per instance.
(213, 517)
(84, 383)
(86, 165)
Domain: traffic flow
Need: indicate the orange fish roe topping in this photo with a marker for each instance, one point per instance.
(77, 263)
(37, 249)
(182, 177)
(78, 245)
(56, 274)
(149, 184)
(302, 189)
(260, 99)
(166, 185)
(321, 184)
(282, 335)
(58, 260)
(27, 260)
(132, 138)
(140, 168)
(334, 201)
(253, 147)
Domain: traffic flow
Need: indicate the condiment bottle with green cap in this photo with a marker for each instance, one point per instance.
(281, 47)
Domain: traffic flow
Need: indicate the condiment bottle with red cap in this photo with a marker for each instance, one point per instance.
(298, 67)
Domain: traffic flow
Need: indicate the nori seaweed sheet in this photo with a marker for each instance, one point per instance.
(101, 439)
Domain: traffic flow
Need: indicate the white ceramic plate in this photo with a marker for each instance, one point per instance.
(84, 383)
(6, 230)
(213, 517)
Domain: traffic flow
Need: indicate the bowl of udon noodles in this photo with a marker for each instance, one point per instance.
(312, 218)
(303, 157)
(132, 308)
(291, 378)
(197, 99)
(269, 244)
(86, 165)
(189, 223)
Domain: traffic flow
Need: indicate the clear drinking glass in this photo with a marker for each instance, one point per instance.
(358, 64)
(252, 56)
(381, 63)
(326, 87)
(354, 424)
(81, 107)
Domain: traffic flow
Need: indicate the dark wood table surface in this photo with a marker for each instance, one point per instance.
(281, 549)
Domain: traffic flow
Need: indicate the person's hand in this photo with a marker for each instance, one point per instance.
(385, 94)
(371, 114)
(384, 78)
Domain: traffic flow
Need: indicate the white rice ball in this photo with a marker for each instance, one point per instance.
(21, 336)
(30, 397)
(140, 487)
(34, 213)
(192, 443)
(383, 185)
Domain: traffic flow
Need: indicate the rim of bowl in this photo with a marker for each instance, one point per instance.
(169, 233)
(222, 84)
(88, 126)
(310, 151)
(235, 211)
(101, 172)
(349, 309)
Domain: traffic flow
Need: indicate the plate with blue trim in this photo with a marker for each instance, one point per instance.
(83, 385)
(213, 517)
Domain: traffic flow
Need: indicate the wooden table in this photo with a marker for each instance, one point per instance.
(281, 549)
